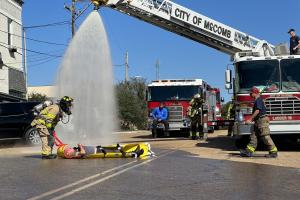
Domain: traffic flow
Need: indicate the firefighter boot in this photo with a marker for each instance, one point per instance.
(246, 153)
(272, 155)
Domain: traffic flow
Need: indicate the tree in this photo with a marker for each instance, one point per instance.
(37, 97)
(132, 103)
(225, 109)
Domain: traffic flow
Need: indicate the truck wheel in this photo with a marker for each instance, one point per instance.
(32, 136)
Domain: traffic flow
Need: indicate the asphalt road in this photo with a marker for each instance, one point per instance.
(181, 169)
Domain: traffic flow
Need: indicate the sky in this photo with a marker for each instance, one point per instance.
(179, 57)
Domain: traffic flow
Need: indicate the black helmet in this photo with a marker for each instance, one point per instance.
(65, 104)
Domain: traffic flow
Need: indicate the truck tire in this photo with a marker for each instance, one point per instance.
(32, 137)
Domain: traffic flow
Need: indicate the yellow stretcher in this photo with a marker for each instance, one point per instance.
(141, 150)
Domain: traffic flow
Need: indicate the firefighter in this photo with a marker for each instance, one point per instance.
(46, 121)
(230, 116)
(261, 127)
(194, 113)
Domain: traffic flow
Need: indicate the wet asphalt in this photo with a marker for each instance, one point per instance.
(172, 174)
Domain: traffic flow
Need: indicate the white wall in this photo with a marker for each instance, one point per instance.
(10, 10)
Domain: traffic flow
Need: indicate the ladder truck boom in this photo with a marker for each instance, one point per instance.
(190, 24)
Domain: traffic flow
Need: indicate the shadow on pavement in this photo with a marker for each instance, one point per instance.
(220, 142)
(33, 156)
(228, 144)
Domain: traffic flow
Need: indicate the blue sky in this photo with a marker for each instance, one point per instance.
(179, 57)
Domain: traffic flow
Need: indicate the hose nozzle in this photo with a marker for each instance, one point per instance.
(98, 3)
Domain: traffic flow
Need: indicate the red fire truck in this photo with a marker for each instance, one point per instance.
(277, 78)
(219, 120)
(176, 95)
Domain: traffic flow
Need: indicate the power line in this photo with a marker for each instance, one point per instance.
(47, 25)
(30, 61)
(35, 40)
(46, 61)
(59, 51)
(33, 51)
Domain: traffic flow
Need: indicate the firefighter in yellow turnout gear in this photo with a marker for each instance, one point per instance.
(46, 121)
(194, 113)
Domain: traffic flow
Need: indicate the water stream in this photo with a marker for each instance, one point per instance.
(86, 75)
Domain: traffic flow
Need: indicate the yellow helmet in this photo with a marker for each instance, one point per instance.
(61, 150)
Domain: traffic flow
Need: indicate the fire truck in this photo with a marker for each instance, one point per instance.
(176, 95)
(255, 62)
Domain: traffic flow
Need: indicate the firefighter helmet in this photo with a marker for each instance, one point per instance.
(197, 96)
(61, 150)
(65, 104)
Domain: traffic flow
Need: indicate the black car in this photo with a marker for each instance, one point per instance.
(15, 120)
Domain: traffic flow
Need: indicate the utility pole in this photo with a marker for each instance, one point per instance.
(25, 60)
(126, 66)
(75, 14)
(157, 69)
(73, 11)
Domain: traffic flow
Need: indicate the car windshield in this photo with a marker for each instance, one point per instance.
(164, 93)
(290, 72)
(264, 74)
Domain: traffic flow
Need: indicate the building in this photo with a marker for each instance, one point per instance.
(12, 73)
(49, 91)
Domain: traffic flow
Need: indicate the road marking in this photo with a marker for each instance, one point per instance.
(108, 177)
(80, 181)
(95, 176)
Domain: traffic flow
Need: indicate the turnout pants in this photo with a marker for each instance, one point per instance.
(261, 131)
(47, 139)
(196, 127)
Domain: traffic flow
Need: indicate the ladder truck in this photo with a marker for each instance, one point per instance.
(256, 62)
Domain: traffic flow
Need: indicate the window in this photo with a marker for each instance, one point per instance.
(290, 70)
(9, 30)
(165, 93)
(264, 74)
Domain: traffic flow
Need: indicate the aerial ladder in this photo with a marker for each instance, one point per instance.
(190, 24)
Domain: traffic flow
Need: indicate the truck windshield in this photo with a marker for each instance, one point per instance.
(264, 74)
(290, 72)
(164, 93)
